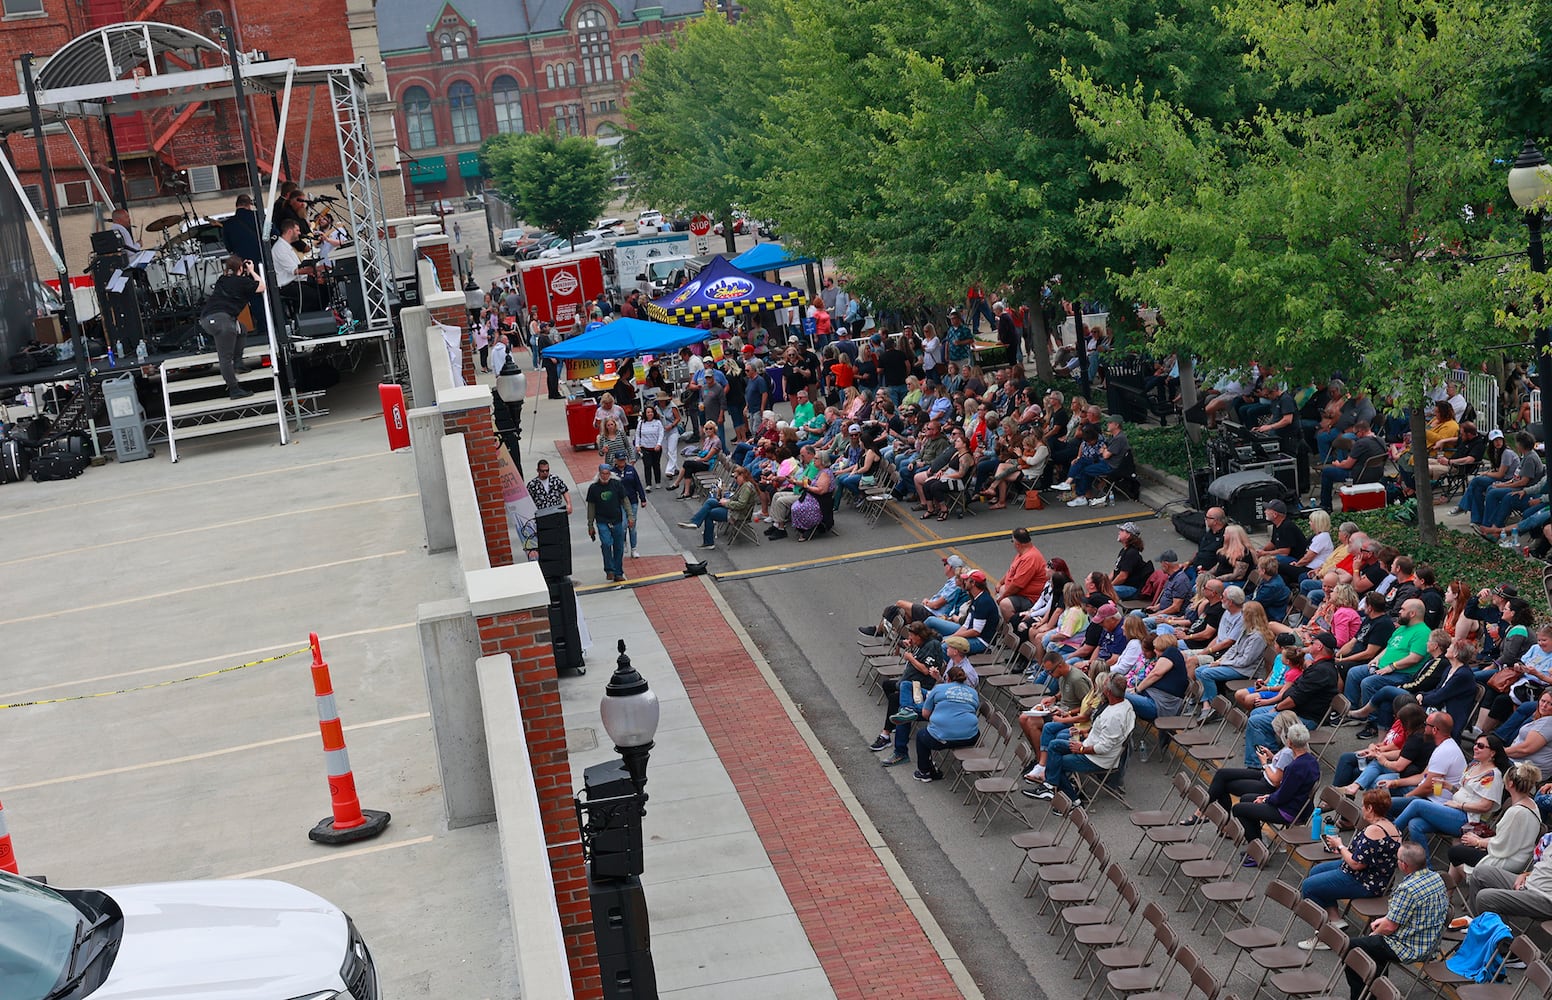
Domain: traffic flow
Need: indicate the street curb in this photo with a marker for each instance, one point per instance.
(902, 883)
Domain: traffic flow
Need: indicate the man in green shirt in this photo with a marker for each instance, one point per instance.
(1399, 660)
(606, 508)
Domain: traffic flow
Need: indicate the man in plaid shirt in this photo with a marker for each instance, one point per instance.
(1409, 931)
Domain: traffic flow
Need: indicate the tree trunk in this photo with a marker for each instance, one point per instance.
(727, 233)
(1427, 530)
(1042, 350)
(1188, 394)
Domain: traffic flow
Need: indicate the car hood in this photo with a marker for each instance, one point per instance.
(224, 940)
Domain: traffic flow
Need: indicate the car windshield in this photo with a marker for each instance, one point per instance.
(37, 931)
(512, 234)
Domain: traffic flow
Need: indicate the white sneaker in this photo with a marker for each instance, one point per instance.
(1064, 487)
(1313, 944)
(1077, 502)
(635, 554)
(1098, 502)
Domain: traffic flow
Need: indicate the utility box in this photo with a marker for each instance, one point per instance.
(126, 417)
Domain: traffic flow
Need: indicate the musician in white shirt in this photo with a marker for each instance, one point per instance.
(121, 224)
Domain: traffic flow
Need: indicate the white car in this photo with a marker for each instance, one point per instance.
(649, 221)
(593, 239)
(213, 940)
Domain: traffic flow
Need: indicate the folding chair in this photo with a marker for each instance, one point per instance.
(1128, 956)
(997, 790)
(1308, 982)
(1163, 837)
(1093, 913)
(1536, 982)
(1148, 819)
(1256, 936)
(1287, 957)
(1039, 838)
(1233, 891)
(1123, 480)
(736, 528)
(1439, 977)
(1092, 785)
(1148, 976)
(1058, 853)
(875, 499)
(958, 502)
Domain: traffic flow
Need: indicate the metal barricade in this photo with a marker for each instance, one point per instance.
(1483, 395)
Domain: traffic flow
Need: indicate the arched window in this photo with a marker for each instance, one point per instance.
(571, 74)
(625, 67)
(419, 126)
(508, 103)
(465, 116)
(446, 45)
(594, 46)
(549, 77)
(461, 45)
(635, 64)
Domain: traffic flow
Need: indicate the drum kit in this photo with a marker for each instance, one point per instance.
(188, 262)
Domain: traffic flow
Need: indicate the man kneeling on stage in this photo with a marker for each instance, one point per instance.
(299, 291)
(218, 318)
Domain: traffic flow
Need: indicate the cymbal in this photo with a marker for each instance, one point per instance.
(165, 222)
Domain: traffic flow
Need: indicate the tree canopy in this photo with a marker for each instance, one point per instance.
(561, 184)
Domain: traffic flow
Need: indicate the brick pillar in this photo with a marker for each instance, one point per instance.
(452, 309)
(441, 254)
(525, 636)
(467, 411)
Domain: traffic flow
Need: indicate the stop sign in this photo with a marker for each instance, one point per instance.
(700, 225)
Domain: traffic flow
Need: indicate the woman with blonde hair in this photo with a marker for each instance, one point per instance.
(1244, 658)
(1235, 556)
(608, 410)
(612, 441)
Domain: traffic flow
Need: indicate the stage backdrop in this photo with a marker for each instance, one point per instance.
(18, 277)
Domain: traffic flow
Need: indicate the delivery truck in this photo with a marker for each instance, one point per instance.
(558, 288)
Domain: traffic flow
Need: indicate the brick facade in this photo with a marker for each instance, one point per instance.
(525, 636)
(573, 74)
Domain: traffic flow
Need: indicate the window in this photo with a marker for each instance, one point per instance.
(419, 126)
(571, 74)
(446, 45)
(461, 45)
(636, 64)
(625, 67)
(465, 116)
(549, 77)
(593, 44)
(23, 8)
(34, 192)
(73, 193)
(508, 103)
(568, 120)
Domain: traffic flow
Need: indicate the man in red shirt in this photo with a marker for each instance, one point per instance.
(975, 307)
(1026, 577)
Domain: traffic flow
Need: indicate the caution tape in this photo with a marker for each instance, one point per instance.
(158, 684)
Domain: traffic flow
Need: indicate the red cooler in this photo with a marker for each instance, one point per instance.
(579, 423)
(1369, 496)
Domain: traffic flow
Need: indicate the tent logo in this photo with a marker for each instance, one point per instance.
(564, 283)
(685, 294)
(729, 288)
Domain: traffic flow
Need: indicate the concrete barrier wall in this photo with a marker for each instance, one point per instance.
(541, 951)
(464, 509)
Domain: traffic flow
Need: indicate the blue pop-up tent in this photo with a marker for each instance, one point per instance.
(764, 257)
(625, 338)
(721, 290)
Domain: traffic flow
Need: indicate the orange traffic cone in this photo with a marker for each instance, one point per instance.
(350, 822)
(7, 856)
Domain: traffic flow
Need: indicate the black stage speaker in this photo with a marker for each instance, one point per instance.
(621, 929)
(316, 324)
(1198, 486)
(552, 532)
(564, 635)
(347, 270)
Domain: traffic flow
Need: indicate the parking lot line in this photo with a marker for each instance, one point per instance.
(57, 612)
(119, 498)
(207, 527)
(239, 656)
(333, 856)
(206, 755)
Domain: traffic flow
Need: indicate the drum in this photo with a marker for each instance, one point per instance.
(157, 277)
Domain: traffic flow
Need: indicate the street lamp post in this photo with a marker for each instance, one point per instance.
(1530, 183)
(609, 813)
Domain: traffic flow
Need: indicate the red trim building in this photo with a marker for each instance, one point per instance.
(479, 68)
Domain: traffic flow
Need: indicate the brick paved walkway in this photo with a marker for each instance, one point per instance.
(834, 880)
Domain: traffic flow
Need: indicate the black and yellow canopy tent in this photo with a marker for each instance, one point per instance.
(721, 290)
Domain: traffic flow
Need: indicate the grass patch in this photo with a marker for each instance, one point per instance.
(1164, 448)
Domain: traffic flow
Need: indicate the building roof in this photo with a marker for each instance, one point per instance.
(402, 25)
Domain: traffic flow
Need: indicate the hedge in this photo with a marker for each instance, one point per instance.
(1456, 556)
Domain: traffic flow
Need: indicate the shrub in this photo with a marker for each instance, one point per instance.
(1456, 555)
(1164, 448)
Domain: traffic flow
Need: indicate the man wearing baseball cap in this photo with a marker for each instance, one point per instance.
(980, 620)
(1309, 698)
(1288, 543)
(606, 510)
(949, 599)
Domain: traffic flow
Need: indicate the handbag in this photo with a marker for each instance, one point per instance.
(1033, 500)
(1503, 680)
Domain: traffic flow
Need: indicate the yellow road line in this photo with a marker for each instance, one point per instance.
(208, 754)
(331, 856)
(156, 684)
(181, 664)
(119, 498)
(208, 527)
(203, 586)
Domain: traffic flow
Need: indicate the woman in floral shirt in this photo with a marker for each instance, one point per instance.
(1364, 868)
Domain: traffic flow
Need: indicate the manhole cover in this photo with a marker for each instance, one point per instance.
(581, 740)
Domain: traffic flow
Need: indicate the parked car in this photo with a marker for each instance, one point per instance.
(593, 239)
(649, 221)
(474, 203)
(510, 239)
(239, 940)
(611, 224)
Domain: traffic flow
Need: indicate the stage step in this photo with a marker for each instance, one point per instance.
(204, 417)
(222, 426)
(221, 404)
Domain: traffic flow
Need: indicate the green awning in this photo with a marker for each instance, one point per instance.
(428, 171)
(469, 164)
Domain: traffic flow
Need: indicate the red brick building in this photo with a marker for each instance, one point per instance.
(468, 69)
(201, 139)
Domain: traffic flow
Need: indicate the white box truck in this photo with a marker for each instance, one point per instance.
(632, 255)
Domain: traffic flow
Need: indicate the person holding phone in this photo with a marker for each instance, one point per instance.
(1359, 870)
(236, 285)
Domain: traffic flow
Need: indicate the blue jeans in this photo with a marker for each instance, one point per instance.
(1373, 684)
(1476, 492)
(1325, 439)
(1499, 504)
(1143, 706)
(1309, 588)
(847, 481)
(707, 518)
(1354, 686)
(1348, 771)
(632, 519)
(1326, 884)
(1383, 701)
(1258, 732)
(1061, 762)
(741, 452)
(1422, 817)
(1126, 593)
(1330, 476)
(1083, 474)
(896, 393)
(1509, 729)
(1210, 676)
(1051, 732)
(946, 628)
(611, 537)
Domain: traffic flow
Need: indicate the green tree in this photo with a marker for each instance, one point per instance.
(561, 184)
(1334, 237)
(695, 111)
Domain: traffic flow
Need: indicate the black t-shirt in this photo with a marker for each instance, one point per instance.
(1373, 632)
(230, 295)
(1417, 749)
(1433, 602)
(983, 608)
(1093, 635)
(607, 500)
(1289, 536)
(1313, 691)
(1374, 573)
(1176, 681)
(1131, 565)
(867, 374)
(894, 366)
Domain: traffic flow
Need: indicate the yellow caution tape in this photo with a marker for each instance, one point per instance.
(158, 684)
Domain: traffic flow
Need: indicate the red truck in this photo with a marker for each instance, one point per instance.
(557, 288)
